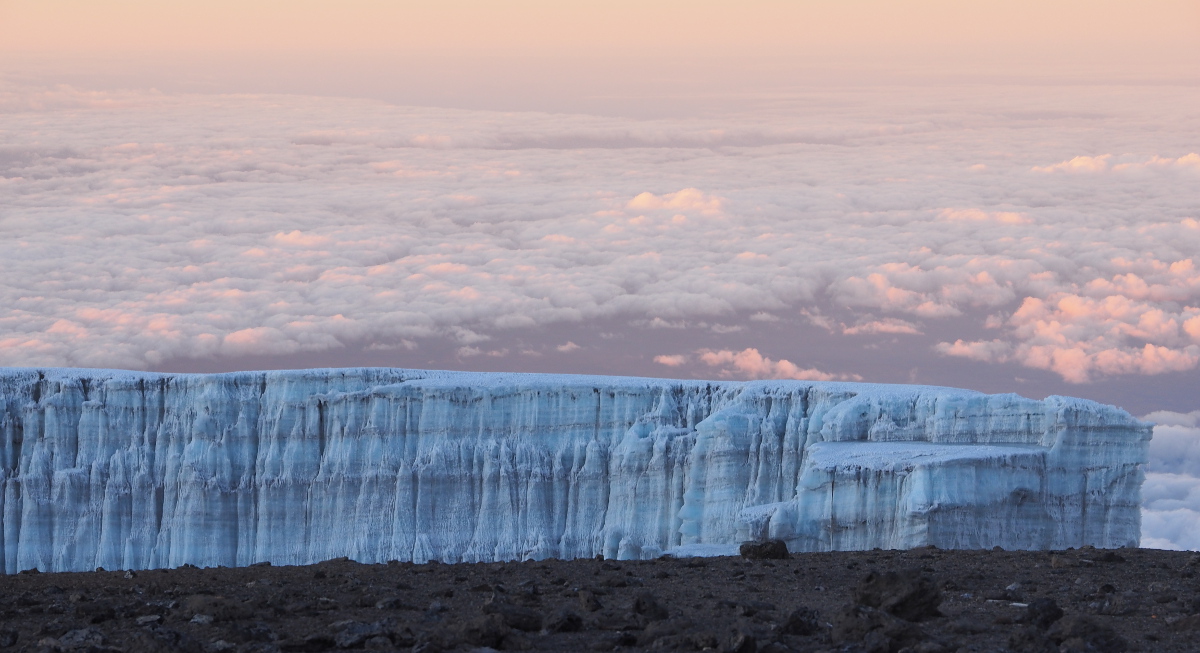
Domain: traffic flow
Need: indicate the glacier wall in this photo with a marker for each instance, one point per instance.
(129, 470)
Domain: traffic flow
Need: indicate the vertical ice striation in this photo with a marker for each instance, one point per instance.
(134, 470)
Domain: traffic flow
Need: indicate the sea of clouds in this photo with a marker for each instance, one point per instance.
(142, 227)
(1171, 493)
(1046, 228)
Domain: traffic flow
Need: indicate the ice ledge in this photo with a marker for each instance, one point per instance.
(133, 470)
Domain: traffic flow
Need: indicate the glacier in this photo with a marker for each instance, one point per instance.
(132, 470)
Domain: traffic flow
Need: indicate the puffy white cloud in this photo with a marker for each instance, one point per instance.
(1175, 447)
(1171, 493)
(141, 227)
(1171, 518)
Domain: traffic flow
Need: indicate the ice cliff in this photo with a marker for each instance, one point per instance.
(135, 470)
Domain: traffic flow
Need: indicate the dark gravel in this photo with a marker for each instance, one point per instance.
(924, 600)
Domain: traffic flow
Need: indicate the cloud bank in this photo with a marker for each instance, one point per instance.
(141, 228)
(1171, 493)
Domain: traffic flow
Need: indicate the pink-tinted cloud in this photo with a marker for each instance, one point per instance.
(1078, 164)
(147, 227)
(886, 325)
(988, 351)
(941, 291)
(977, 215)
(1104, 163)
(1081, 337)
(688, 199)
(750, 364)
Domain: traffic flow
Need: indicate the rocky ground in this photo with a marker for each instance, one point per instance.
(921, 600)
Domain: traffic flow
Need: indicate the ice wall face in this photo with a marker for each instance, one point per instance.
(132, 470)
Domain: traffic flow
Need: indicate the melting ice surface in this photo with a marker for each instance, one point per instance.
(135, 470)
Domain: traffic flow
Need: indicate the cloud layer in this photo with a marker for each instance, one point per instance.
(141, 228)
(1171, 494)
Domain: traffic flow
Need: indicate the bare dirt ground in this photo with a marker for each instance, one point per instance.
(924, 600)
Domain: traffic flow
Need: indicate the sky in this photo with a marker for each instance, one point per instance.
(542, 26)
(994, 195)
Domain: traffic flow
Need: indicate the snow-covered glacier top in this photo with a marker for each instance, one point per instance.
(134, 470)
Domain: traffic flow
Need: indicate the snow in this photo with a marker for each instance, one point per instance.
(130, 470)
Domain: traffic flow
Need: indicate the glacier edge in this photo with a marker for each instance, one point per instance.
(131, 470)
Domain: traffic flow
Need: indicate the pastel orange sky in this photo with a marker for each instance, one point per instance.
(1165, 32)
